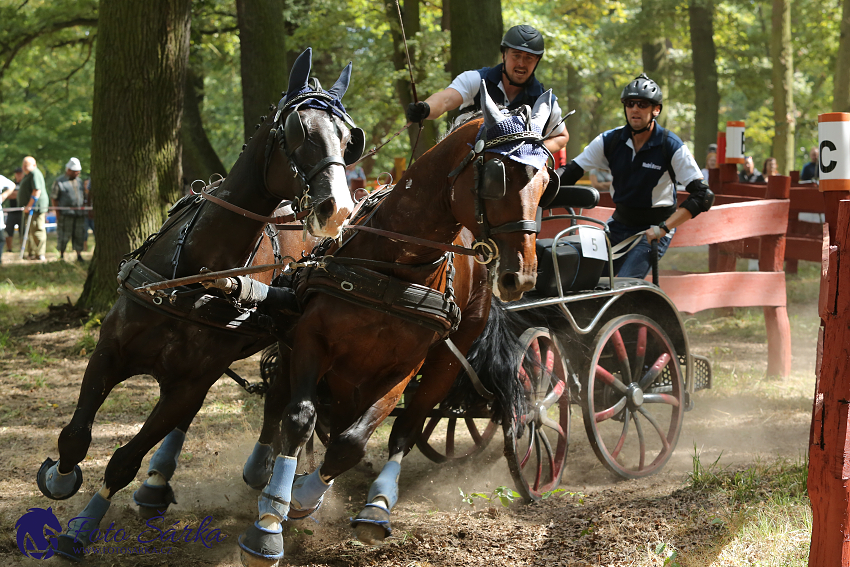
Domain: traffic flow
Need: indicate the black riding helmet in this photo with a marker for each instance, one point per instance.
(524, 38)
(642, 88)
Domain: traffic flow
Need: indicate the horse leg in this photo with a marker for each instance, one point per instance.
(156, 494)
(262, 543)
(62, 479)
(260, 464)
(441, 367)
(168, 413)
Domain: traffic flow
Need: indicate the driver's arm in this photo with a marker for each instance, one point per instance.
(442, 102)
(558, 141)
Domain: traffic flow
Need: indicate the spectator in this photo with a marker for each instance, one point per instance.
(13, 219)
(769, 168)
(7, 187)
(353, 174)
(811, 171)
(33, 196)
(601, 179)
(750, 174)
(69, 197)
(710, 163)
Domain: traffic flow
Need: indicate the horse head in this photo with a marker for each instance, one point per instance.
(508, 180)
(315, 140)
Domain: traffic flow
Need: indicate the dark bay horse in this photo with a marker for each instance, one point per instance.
(366, 353)
(296, 155)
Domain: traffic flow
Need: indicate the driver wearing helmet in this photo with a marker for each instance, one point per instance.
(510, 84)
(646, 162)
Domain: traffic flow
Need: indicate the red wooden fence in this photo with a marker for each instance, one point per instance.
(763, 219)
(829, 442)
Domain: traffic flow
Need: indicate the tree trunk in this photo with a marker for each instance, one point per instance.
(706, 95)
(410, 16)
(199, 158)
(481, 48)
(783, 86)
(263, 57)
(841, 81)
(654, 54)
(140, 67)
(575, 123)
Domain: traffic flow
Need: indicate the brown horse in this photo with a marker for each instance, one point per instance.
(297, 155)
(365, 352)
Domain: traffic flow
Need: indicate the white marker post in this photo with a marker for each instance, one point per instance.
(834, 145)
(735, 141)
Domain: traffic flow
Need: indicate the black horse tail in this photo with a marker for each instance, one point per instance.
(496, 356)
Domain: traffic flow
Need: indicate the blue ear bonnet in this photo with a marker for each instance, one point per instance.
(320, 99)
(525, 151)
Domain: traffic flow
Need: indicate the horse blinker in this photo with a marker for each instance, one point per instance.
(356, 145)
(293, 132)
(493, 183)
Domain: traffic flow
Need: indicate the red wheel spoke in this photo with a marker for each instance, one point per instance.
(530, 445)
(641, 442)
(523, 377)
(661, 399)
(610, 412)
(622, 355)
(554, 425)
(536, 441)
(655, 371)
(450, 437)
(610, 379)
(549, 454)
(473, 430)
(640, 353)
(554, 395)
(657, 427)
(620, 442)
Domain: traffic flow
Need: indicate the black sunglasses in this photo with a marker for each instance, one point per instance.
(642, 104)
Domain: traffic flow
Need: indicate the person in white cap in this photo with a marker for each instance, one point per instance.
(69, 198)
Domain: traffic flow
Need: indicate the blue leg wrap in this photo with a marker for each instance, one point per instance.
(164, 461)
(81, 526)
(60, 485)
(307, 493)
(386, 484)
(276, 497)
(259, 466)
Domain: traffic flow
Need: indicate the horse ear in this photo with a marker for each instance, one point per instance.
(300, 73)
(341, 84)
(492, 114)
(542, 110)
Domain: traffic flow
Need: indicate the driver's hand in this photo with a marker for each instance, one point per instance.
(417, 111)
(654, 232)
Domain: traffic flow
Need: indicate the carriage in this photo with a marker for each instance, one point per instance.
(614, 347)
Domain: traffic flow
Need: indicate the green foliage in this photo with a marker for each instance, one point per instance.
(503, 494)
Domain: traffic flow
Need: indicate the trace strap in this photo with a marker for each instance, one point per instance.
(248, 214)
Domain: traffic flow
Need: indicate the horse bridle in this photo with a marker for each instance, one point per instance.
(291, 135)
(490, 184)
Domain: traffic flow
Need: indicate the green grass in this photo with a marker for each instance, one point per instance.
(761, 514)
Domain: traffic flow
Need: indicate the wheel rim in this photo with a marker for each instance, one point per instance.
(634, 399)
(537, 456)
(452, 438)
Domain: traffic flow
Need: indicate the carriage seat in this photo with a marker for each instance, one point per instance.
(576, 197)
(577, 272)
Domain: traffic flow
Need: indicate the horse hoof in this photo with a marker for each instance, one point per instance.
(298, 514)
(372, 524)
(153, 501)
(45, 476)
(68, 549)
(370, 534)
(261, 547)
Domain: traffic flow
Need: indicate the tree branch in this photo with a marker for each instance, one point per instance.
(12, 51)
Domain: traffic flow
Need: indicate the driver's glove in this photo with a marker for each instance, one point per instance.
(417, 111)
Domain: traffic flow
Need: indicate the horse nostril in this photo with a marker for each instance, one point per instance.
(509, 282)
(326, 208)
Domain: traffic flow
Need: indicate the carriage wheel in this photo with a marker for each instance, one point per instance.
(537, 456)
(457, 445)
(634, 399)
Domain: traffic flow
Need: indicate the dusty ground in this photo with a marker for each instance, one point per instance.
(601, 521)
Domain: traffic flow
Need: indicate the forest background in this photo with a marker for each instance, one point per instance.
(775, 64)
